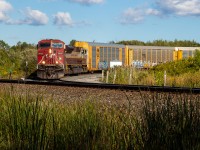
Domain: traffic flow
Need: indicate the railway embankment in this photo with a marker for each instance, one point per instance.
(67, 117)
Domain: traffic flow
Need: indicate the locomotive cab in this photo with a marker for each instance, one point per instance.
(50, 63)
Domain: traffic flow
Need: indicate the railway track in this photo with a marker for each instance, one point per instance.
(104, 86)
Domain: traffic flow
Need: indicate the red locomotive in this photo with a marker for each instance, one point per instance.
(55, 59)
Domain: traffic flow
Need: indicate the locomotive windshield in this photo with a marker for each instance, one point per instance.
(53, 45)
(57, 45)
(44, 45)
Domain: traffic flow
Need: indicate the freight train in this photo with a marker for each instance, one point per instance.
(55, 59)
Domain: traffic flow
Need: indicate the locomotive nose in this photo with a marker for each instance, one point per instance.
(50, 59)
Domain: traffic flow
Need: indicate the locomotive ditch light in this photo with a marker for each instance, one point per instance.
(50, 51)
(43, 62)
(56, 62)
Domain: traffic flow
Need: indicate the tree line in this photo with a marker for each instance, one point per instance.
(17, 60)
(175, 43)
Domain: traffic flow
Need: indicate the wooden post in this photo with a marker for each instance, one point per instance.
(130, 76)
(102, 75)
(115, 74)
(107, 74)
(165, 77)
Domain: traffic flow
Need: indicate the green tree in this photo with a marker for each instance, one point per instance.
(160, 42)
(4, 45)
(197, 59)
(72, 42)
(22, 53)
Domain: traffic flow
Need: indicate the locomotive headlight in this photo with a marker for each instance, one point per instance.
(50, 51)
(43, 62)
(60, 58)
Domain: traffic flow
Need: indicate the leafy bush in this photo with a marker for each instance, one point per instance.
(180, 67)
(13, 59)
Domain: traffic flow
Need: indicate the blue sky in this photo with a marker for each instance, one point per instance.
(99, 20)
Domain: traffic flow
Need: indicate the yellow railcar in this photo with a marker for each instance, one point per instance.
(99, 55)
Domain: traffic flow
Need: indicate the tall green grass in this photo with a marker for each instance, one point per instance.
(128, 75)
(166, 121)
(124, 75)
(78, 126)
(24, 121)
(171, 121)
(32, 122)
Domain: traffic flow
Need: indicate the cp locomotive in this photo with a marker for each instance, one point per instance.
(55, 59)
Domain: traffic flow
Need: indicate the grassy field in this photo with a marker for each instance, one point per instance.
(167, 121)
(128, 75)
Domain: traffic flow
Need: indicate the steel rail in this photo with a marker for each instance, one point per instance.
(105, 86)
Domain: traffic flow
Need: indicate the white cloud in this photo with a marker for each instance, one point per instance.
(132, 16)
(3, 17)
(32, 17)
(5, 7)
(179, 7)
(151, 11)
(137, 15)
(35, 17)
(63, 18)
(87, 2)
(84, 2)
(161, 8)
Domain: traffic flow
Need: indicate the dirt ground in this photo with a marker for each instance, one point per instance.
(119, 97)
(62, 94)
